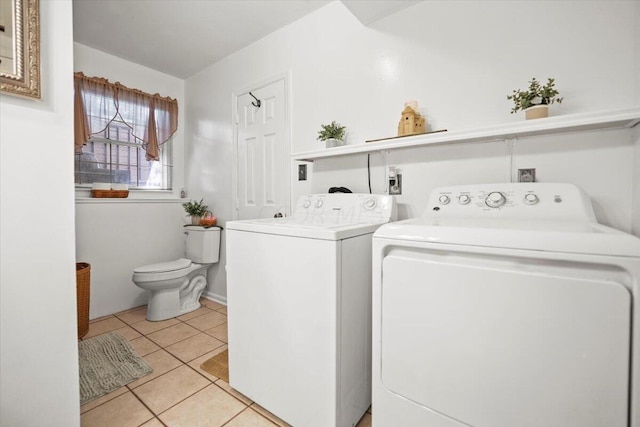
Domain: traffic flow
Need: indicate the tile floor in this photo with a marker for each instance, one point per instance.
(177, 392)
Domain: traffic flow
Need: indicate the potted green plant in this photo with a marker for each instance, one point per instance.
(536, 100)
(332, 134)
(195, 210)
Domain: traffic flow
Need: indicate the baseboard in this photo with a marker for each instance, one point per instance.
(215, 297)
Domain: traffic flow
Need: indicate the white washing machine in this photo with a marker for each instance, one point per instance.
(506, 305)
(299, 308)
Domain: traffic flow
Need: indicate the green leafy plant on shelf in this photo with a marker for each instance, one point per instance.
(331, 131)
(195, 208)
(537, 94)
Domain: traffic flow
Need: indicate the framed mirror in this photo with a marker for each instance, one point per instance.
(20, 47)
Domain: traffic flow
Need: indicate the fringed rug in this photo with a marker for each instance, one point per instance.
(107, 362)
(218, 365)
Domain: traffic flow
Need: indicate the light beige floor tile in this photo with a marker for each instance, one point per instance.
(195, 363)
(99, 401)
(195, 313)
(146, 327)
(143, 346)
(129, 333)
(249, 418)
(210, 407)
(259, 409)
(165, 391)
(208, 321)
(365, 421)
(213, 305)
(103, 326)
(133, 316)
(153, 423)
(161, 362)
(123, 411)
(219, 332)
(226, 387)
(173, 334)
(222, 310)
(193, 347)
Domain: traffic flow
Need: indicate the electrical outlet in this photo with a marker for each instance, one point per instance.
(302, 172)
(526, 175)
(395, 185)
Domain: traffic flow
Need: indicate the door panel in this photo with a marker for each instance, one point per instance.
(263, 154)
(510, 343)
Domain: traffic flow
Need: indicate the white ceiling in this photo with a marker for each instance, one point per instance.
(182, 37)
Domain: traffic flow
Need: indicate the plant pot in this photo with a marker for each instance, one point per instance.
(332, 142)
(536, 112)
(195, 220)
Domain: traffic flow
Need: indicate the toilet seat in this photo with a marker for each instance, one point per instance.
(163, 267)
(165, 271)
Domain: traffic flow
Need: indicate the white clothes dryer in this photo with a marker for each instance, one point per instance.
(506, 305)
(299, 308)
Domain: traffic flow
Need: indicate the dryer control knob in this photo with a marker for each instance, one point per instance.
(319, 203)
(444, 200)
(531, 199)
(306, 203)
(495, 200)
(464, 199)
(370, 203)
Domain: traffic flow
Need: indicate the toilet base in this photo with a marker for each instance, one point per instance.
(183, 298)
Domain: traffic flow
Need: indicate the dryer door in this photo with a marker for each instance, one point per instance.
(506, 341)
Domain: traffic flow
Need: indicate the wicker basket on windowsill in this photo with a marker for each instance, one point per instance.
(110, 194)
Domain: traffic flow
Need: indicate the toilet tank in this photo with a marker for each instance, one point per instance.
(203, 244)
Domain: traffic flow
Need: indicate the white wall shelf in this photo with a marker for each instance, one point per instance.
(616, 119)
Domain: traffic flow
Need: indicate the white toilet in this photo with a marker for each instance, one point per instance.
(175, 286)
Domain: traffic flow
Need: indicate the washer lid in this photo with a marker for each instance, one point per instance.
(163, 267)
(551, 236)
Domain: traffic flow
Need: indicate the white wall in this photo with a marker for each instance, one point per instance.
(459, 60)
(38, 327)
(115, 236)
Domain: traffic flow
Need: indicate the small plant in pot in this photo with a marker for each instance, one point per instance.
(536, 100)
(332, 134)
(195, 210)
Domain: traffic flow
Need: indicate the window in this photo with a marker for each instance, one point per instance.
(122, 135)
(115, 155)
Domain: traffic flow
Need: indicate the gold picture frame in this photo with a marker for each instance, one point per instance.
(22, 75)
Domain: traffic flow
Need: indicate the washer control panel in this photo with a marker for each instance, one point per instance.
(348, 207)
(511, 200)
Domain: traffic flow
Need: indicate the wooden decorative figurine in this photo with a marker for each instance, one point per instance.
(411, 122)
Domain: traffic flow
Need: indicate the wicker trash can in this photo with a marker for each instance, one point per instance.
(83, 287)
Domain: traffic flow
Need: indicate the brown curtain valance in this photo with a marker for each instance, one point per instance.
(152, 118)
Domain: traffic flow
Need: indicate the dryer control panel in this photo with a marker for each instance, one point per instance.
(512, 200)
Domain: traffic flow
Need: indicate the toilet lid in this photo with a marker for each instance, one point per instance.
(162, 267)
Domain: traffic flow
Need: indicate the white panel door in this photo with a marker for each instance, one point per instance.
(263, 155)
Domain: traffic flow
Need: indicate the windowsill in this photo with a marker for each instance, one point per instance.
(83, 195)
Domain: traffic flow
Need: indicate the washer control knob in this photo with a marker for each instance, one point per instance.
(464, 199)
(319, 203)
(531, 199)
(306, 203)
(495, 199)
(444, 200)
(369, 203)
